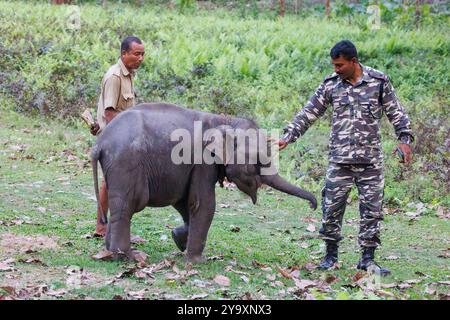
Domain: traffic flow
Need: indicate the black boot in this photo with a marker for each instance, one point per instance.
(330, 258)
(367, 262)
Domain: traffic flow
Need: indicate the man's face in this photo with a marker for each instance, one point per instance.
(134, 57)
(343, 67)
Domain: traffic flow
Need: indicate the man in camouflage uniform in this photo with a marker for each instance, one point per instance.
(117, 95)
(359, 96)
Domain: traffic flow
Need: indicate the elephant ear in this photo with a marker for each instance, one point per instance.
(220, 142)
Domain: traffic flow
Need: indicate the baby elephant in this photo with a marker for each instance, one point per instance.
(145, 163)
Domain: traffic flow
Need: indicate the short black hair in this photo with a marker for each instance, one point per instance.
(126, 43)
(344, 48)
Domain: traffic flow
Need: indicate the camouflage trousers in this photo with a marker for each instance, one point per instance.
(340, 178)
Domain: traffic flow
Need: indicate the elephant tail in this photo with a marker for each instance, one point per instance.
(95, 157)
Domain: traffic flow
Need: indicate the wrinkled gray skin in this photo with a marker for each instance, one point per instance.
(134, 151)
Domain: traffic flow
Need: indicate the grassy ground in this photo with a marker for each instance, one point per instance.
(266, 251)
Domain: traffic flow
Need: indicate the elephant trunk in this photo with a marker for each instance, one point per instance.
(277, 182)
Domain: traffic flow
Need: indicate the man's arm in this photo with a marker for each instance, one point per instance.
(399, 119)
(313, 110)
(111, 92)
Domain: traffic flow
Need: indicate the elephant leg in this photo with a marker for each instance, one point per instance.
(118, 231)
(202, 205)
(180, 234)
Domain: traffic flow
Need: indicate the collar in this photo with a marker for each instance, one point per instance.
(124, 69)
(366, 76)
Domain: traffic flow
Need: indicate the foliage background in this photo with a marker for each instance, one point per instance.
(234, 61)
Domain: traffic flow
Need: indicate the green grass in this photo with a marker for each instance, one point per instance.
(271, 232)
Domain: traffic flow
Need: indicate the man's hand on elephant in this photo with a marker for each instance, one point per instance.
(110, 113)
(94, 129)
(405, 153)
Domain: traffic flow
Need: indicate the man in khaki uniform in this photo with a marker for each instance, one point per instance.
(117, 94)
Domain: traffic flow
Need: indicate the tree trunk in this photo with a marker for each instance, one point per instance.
(327, 8)
(418, 11)
(282, 7)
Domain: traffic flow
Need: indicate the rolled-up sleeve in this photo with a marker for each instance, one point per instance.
(111, 92)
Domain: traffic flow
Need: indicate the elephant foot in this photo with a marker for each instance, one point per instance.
(195, 259)
(179, 236)
(119, 256)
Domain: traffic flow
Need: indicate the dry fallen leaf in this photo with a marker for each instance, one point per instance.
(137, 240)
(311, 228)
(8, 289)
(258, 264)
(162, 265)
(331, 279)
(430, 291)
(271, 277)
(6, 267)
(388, 285)
(404, 286)
(222, 280)
(303, 284)
(33, 260)
(199, 296)
(140, 257)
(267, 269)
(277, 284)
(304, 245)
(56, 293)
(384, 293)
(309, 266)
(284, 273)
(295, 273)
(358, 276)
(137, 294)
(104, 255)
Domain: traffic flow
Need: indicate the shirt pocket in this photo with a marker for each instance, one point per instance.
(369, 123)
(371, 110)
(341, 107)
(127, 93)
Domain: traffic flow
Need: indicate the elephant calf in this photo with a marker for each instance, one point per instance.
(136, 153)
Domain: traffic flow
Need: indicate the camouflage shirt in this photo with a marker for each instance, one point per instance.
(355, 136)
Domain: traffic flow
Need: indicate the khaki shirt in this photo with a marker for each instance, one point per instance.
(117, 91)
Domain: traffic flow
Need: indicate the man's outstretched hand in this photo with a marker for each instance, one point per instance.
(281, 144)
(406, 151)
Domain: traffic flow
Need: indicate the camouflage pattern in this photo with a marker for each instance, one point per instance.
(369, 180)
(355, 136)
